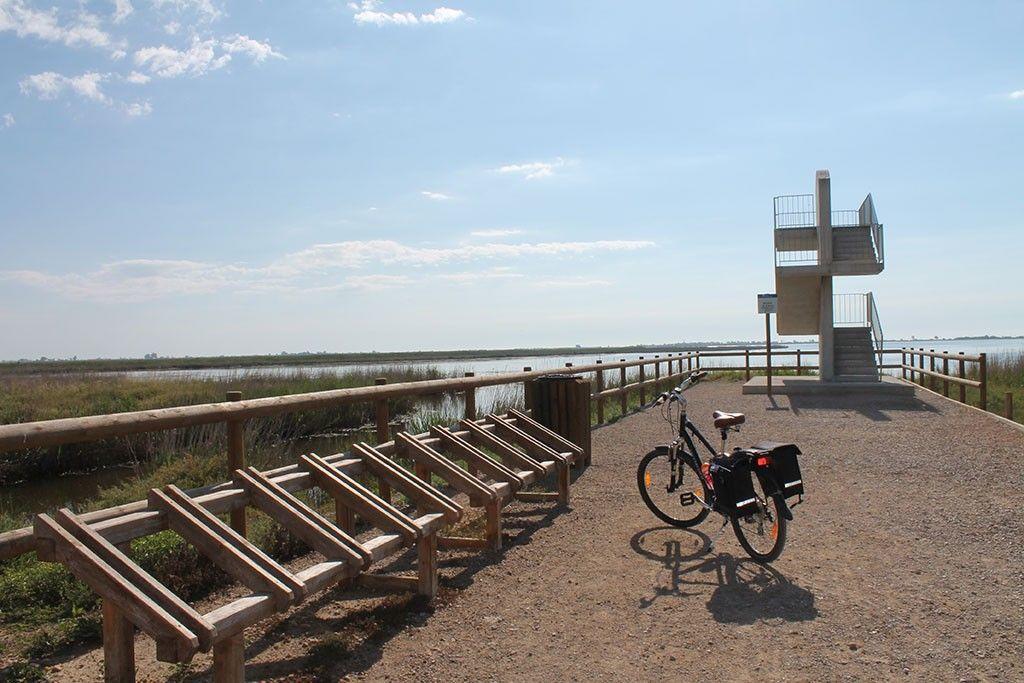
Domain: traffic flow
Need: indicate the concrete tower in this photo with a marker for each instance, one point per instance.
(814, 244)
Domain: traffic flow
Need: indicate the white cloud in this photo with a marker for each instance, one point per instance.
(471, 276)
(369, 12)
(201, 57)
(168, 62)
(389, 252)
(310, 269)
(122, 10)
(442, 15)
(132, 280)
(137, 78)
(24, 21)
(255, 49)
(171, 28)
(534, 169)
(205, 10)
(50, 85)
(497, 232)
(118, 55)
(8, 120)
(436, 196)
(136, 109)
(1017, 95)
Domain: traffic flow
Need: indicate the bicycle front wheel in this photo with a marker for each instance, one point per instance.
(762, 534)
(675, 500)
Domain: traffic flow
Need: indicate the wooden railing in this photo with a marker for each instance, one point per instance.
(938, 378)
(654, 373)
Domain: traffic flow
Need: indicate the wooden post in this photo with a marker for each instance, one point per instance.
(697, 360)
(1008, 405)
(493, 533)
(229, 660)
(426, 565)
(643, 391)
(983, 378)
(236, 459)
(527, 391)
(470, 400)
(931, 366)
(623, 398)
(118, 645)
(689, 361)
(599, 380)
(746, 363)
(383, 435)
(344, 517)
(963, 375)
(920, 364)
(945, 371)
(798, 362)
(903, 362)
(768, 350)
(657, 375)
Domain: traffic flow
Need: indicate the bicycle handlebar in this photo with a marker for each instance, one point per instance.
(675, 394)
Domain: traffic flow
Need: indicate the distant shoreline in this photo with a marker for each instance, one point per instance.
(322, 359)
(23, 367)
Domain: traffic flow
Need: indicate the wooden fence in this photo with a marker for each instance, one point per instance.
(951, 370)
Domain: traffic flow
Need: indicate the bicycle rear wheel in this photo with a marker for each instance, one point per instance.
(762, 534)
(677, 503)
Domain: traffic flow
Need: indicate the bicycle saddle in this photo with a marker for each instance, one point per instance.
(723, 420)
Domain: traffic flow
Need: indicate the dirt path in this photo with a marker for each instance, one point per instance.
(906, 562)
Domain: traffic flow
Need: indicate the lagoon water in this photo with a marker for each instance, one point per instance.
(994, 347)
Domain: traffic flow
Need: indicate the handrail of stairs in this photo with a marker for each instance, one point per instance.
(875, 323)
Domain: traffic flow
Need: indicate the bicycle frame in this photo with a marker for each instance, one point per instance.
(686, 428)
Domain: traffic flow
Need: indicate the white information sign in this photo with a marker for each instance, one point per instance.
(767, 303)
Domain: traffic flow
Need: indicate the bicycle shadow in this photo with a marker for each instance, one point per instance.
(744, 592)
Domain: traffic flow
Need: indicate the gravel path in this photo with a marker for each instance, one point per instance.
(905, 562)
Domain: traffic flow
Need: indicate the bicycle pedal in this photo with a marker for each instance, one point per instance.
(687, 499)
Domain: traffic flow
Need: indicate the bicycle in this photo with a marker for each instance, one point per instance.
(673, 480)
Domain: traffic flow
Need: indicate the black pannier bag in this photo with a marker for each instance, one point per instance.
(784, 466)
(734, 487)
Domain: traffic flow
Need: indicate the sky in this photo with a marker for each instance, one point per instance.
(208, 177)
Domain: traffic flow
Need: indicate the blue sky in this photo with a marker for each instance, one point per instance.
(207, 177)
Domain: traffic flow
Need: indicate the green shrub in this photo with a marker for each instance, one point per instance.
(22, 672)
(66, 633)
(33, 592)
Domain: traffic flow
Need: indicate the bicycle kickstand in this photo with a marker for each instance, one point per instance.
(717, 534)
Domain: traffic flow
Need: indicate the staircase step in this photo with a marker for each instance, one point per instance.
(856, 370)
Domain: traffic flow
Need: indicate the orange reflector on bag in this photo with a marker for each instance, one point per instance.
(647, 479)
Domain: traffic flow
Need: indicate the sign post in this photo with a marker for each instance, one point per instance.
(768, 304)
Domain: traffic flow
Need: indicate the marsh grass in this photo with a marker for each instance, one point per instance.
(1005, 375)
(29, 399)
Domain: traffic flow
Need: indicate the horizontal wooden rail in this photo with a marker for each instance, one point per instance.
(970, 358)
(945, 378)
